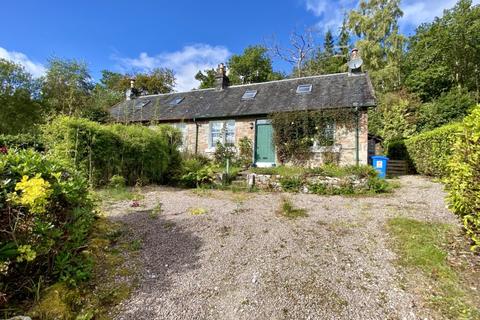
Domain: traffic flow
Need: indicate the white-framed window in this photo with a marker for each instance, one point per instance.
(182, 127)
(221, 131)
(325, 136)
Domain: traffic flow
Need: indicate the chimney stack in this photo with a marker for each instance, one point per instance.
(221, 79)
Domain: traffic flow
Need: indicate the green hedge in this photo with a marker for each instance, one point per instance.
(430, 151)
(140, 154)
(21, 141)
(45, 215)
(463, 181)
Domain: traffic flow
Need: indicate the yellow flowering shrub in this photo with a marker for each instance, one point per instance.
(25, 253)
(34, 193)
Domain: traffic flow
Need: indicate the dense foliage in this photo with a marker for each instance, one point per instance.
(294, 133)
(137, 153)
(19, 106)
(430, 151)
(463, 179)
(21, 141)
(45, 217)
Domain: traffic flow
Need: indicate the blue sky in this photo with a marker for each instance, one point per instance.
(186, 36)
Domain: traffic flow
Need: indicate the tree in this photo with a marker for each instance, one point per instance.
(449, 107)
(156, 81)
(445, 53)
(375, 23)
(302, 48)
(67, 87)
(207, 79)
(331, 59)
(20, 110)
(328, 44)
(395, 116)
(252, 66)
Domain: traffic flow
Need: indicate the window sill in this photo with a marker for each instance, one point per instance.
(334, 148)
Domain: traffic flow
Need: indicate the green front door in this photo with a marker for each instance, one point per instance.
(264, 148)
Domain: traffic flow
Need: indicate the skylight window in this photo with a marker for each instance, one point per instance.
(141, 103)
(176, 101)
(249, 94)
(304, 88)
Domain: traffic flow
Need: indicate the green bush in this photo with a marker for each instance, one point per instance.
(291, 183)
(196, 171)
(137, 153)
(430, 151)
(245, 152)
(224, 152)
(21, 141)
(46, 214)
(463, 181)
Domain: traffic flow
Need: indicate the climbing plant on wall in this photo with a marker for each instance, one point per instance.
(294, 133)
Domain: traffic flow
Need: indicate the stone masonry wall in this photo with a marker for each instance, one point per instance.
(344, 140)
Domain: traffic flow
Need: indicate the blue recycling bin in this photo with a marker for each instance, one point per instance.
(380, 164)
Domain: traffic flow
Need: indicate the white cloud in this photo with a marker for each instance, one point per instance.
(35, 68)
(330, 13)
(185, 63)
(417, 12)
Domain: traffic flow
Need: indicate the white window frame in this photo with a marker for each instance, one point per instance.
(183, 128)
(222, 134)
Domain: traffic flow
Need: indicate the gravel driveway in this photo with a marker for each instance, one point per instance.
(241, 260)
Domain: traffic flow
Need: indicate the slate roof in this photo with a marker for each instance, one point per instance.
(340, 90)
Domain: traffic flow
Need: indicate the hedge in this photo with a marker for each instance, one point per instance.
(463, 182)
(430, 151)
(46, 214)
(140, 154)
(21, 141)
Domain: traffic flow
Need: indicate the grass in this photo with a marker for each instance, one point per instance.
(288, 210)
(421, 247)
(155, 213)
(197, 211)
(118, 194)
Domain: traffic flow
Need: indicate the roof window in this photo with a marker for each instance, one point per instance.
(141, 103)
(176, 101)
(249, 95)
(304, 88)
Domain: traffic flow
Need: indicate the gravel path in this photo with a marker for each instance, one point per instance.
(241, 260)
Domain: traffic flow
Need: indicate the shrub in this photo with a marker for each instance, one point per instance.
(463, 182)
(21, 141)
(117, 182)
(430, 151)
(291, 183)
(224, 152)
(245, 152)
(137, 153)
(196, 172)
(46, 214)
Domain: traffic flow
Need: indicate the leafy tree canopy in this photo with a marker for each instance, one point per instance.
(252, 66)
(375, 23)
(445, 53)
(19, 110)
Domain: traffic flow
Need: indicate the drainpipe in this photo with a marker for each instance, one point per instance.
(196, 136)
(357, 136)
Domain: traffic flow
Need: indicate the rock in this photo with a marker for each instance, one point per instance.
(20, 318)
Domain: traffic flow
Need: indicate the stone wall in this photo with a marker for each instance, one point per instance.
(344, 146)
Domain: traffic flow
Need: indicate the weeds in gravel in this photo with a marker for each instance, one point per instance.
(421, 246)
(156, 211)
(135, 245)
(288, 210)
(197, 211)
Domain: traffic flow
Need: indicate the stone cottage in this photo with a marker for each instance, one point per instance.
(228, 113)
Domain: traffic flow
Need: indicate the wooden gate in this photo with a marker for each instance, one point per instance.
(397, 167)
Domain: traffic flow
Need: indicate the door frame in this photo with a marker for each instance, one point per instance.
(255, 162)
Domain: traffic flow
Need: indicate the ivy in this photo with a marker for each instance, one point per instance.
(294, 133)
